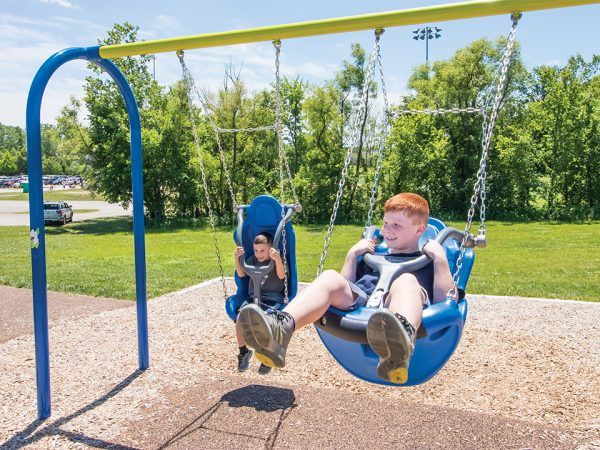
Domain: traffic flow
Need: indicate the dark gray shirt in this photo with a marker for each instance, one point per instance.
(367, 278)
(271, 287)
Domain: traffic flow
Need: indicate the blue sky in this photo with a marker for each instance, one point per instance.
(32, 30)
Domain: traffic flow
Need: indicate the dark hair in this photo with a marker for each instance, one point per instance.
(263, 238)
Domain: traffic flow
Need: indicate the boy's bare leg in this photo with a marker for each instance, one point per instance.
(270, 334)
(329, 289)
(406, 298)
(240, 338)
(391, 332)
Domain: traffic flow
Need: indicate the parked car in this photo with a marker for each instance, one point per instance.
(60, 212)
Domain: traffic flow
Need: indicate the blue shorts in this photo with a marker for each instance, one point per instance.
(267, 305)
(361, 297)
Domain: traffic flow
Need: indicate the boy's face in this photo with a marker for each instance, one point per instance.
(401, 232)
(261, 251)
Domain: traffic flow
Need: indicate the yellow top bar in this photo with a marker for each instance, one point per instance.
(429, 14)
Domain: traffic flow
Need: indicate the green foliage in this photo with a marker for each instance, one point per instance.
(61, 150)
(565, 112)
(169, 174)
(543, 160)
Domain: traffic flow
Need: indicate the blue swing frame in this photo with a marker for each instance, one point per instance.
(263, 215)
(443, 323)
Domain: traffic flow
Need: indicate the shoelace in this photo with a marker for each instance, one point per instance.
(280, 317)
(407, 326)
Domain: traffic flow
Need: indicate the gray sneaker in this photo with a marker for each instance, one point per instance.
(269, 334)
(392, 337)
(263, 370)
(244, 361)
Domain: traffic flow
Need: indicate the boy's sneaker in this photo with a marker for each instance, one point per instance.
(244, 361)
(269, 334)
(263, 370)
(392, 337)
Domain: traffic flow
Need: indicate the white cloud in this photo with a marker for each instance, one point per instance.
(63, 3)
(167, 24)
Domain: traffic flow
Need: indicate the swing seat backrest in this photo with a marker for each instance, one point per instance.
(443, 323)
(263, 215)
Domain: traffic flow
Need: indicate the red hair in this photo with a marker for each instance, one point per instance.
(413, 205)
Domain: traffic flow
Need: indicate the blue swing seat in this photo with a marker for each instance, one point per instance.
(438, 335)
(263, 215)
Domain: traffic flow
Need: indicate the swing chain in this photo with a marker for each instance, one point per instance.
(386, 123)
(281, 150)
(355, 136)
(211, 218)
(439, 111)
(194, 89)
(246, 130)
(479, 190)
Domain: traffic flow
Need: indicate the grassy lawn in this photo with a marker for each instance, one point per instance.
(96, 258)
(52, 196)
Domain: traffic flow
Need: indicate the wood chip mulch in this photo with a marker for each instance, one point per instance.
(526, 375)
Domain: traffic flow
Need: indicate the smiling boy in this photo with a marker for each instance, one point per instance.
(391, 331)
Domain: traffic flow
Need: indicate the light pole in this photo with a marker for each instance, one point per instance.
(153, 67)
(424, 34)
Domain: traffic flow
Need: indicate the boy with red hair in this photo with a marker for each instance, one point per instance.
(391, 331)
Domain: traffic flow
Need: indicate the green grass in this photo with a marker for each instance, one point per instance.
(96, 257)
(53, 196)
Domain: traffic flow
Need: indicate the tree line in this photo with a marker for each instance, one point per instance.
(543, 163)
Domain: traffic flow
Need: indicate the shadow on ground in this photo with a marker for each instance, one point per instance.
(260, 398)
(31, 434)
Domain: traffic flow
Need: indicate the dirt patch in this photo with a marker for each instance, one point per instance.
(16, 309)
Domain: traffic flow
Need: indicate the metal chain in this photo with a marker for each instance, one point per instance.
(438, 111)
(278, 121)
(487, 136)
(355, 136)
(386, 123)
(193, 88)
(246, 130)
(479, 188)
(211, 218)
(281, 150)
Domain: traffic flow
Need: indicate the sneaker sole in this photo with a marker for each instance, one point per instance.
(257, 334)
(387, 339)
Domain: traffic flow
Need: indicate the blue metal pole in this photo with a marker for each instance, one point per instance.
(138, 208)
(36, 215)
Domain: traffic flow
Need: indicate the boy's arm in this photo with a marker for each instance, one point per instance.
(276, 256)
(360, 248)
(442, 278)
(238, 267)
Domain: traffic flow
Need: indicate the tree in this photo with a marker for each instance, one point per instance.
(169, 176)
(565, 116)
(453, 150)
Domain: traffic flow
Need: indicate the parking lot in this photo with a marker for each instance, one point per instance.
(16, 212)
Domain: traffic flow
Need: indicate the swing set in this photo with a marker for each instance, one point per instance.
(342, 332)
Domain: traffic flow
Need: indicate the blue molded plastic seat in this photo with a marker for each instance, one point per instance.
(263, 215)
(442, 322)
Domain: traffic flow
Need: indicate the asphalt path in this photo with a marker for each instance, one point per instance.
(15, 213)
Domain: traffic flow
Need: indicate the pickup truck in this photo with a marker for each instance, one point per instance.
(58, 212)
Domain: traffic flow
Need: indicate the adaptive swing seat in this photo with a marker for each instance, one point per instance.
(344, 332)
(263, 215)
